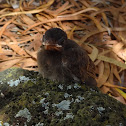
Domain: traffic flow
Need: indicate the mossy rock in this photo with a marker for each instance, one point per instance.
(41, 102)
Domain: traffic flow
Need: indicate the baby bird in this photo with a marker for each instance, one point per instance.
(61, 59)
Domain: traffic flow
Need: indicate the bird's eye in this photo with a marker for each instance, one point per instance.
(43, 39)
(61, 40)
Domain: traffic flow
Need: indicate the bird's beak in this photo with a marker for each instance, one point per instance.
(49, 46)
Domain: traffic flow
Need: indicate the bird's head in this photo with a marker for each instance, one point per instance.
(54, 39)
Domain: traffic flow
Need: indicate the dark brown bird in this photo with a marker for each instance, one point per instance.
(63, 60)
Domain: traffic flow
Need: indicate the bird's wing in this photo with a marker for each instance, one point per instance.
(78, 63)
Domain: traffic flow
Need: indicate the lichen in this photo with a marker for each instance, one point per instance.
(24, 113)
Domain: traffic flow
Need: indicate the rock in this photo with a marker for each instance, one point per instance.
(27, 99)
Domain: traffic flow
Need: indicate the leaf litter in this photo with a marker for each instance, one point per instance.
(98, 26)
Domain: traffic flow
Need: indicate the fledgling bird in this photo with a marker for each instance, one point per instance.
(61, 59)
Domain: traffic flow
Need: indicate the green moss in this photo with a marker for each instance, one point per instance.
(95, 110)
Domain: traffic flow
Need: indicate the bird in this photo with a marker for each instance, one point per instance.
(63, 60)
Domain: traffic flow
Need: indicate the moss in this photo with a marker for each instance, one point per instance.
(95, 109)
